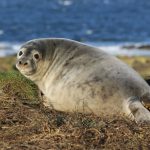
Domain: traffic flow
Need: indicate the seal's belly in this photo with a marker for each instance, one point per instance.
(88, 96)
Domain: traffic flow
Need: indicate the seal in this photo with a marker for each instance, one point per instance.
(78, 77)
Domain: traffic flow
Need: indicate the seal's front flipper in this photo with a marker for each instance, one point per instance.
(140, 113)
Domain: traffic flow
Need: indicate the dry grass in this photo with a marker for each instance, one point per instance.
(25, 124)
(32, 126)
(140, 64)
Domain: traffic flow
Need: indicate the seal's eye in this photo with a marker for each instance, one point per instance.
(36, 56)
(20, 53)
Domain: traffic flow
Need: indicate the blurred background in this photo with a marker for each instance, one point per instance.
(121, 27)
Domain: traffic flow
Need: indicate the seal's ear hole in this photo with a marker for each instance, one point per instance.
(20, 53)
(36, 56)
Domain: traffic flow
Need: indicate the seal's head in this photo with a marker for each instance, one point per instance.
(29, 58)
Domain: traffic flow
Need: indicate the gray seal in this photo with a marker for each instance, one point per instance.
(78, 77)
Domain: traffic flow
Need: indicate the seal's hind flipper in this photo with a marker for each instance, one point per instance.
(140, 113)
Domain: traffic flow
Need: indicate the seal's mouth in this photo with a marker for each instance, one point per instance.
(26, 70)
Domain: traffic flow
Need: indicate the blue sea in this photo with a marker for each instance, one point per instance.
(112, 25)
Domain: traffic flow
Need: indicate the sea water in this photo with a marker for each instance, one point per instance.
(119, 27)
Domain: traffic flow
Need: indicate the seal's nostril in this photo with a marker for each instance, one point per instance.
(22, 62)
(25, 64)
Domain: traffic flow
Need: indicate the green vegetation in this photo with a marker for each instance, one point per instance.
(14, 84)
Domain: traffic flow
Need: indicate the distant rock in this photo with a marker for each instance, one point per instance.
(142, 47)
(147, 47)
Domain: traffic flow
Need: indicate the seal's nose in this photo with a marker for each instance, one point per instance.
(24, 63)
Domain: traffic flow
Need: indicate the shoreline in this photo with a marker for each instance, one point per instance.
(114, 48)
